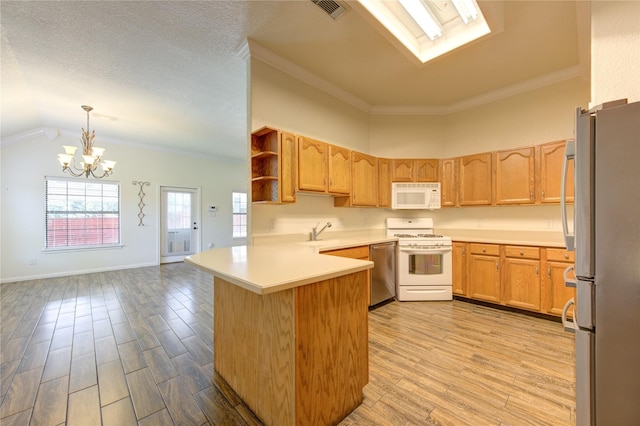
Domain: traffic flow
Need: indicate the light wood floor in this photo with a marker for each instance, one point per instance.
(135, 347)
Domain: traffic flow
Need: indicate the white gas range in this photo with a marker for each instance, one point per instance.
(424, 260)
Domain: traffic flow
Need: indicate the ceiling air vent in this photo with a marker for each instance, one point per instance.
(330, 7)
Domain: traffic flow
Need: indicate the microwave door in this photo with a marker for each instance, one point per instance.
(584, 200)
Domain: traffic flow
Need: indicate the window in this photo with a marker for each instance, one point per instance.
(81, 213)
(239, 202)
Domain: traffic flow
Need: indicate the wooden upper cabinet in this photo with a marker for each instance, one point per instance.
(515, 176)
(402, 170)
(384, 182)
(312, 165)
(426, 170)
(272, 166)
(339, 170)
(475, 179)
(411, 170)
(550, 173)
(288, 169)
(449, 186)
(364, 169)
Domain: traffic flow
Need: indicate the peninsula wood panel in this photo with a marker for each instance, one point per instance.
(254, 347)
(298, 356)
(332, 348)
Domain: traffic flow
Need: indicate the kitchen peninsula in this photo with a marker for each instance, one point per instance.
(290, 330)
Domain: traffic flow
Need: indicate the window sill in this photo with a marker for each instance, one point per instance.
(81, 248)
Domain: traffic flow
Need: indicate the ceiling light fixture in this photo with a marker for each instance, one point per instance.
(91, 156)
(423, 17)
(466, 9)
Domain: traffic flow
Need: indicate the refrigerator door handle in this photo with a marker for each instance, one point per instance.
(569, 282)
(569, 326)
(569, 154)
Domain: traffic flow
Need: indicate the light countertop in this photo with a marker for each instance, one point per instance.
(525, 238)
(265, 269)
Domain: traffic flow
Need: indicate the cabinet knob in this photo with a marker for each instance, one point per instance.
(521, 253)
(484, 250)
(566, 255)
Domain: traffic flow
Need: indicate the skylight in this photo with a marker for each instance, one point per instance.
(430, 28)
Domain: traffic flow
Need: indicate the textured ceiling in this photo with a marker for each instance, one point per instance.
(169, 74)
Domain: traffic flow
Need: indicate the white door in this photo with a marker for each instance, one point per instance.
(178, 223)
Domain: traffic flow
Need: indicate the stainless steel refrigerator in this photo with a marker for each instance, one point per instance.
(606, 238)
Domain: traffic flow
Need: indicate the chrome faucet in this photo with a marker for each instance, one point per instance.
(315, 232)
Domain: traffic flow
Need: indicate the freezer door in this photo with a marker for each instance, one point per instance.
(584, 200)
(585, 386)
(585, 305)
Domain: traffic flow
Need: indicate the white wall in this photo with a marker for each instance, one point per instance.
(26, 162)
(615, 51)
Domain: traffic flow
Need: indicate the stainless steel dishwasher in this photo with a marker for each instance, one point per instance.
(383, 274)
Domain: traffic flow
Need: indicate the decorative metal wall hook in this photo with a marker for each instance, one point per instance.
(141, 194)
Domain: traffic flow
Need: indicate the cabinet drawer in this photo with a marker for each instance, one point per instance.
(488, 249)
(361, 252)
(560, 255)
(523, 252)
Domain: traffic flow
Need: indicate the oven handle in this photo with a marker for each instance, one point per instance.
(426, 251)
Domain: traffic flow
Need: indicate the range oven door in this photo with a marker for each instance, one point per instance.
(424, 266)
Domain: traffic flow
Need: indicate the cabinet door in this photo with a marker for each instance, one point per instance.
(426, 170)
(384, 182)
(551, 158)
(339, 170)
(556, 293)
(521, 283)
(402, 170)
(288, 167)
(515, 172)
(365, 180)
(475, 183)
(459, 269)
(312, 165)
(449, 186)
(483, 277)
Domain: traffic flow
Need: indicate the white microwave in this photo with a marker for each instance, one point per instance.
(415, 195)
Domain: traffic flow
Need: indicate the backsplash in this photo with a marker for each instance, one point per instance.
(309, 210)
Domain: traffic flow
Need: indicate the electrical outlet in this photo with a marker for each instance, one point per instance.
(548, 224)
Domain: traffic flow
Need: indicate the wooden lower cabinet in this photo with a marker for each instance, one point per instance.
(459, 268)
(523, 277)
(483, 272)
(555, 294)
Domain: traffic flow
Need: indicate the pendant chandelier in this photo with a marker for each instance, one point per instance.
(91, 156)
